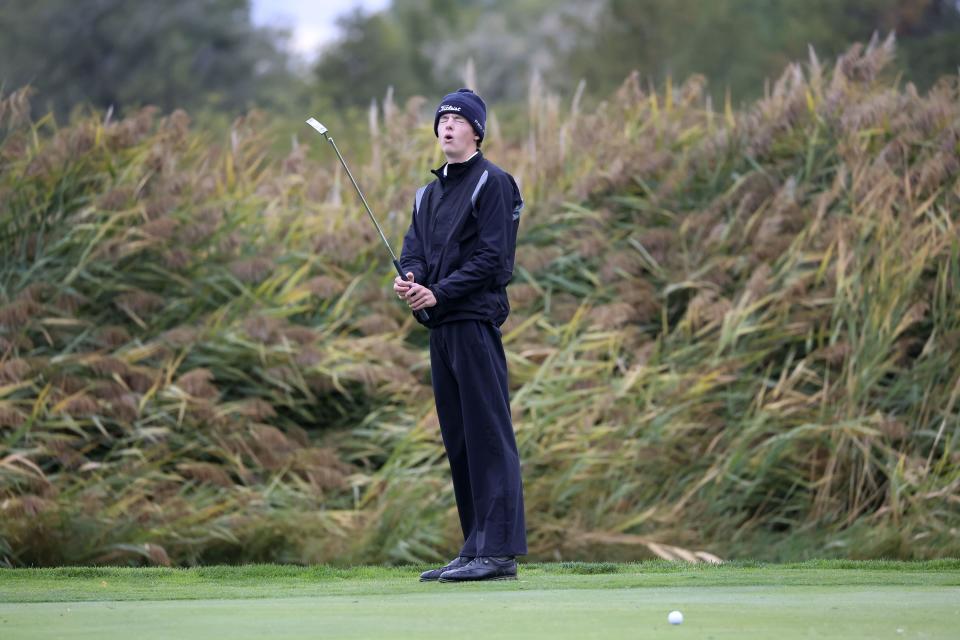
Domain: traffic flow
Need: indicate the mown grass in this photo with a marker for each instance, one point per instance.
(719, 613)
(734, 333)
(69, 584)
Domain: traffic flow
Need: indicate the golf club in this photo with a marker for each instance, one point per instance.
(422, 313)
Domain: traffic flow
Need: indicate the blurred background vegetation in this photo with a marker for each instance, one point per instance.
(199, 54)
(735, 326)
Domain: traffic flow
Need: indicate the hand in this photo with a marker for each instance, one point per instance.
(419, 297)
(400, 286)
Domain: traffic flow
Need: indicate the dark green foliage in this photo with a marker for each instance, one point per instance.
(740, 43)
(423, 47)
(126, 54)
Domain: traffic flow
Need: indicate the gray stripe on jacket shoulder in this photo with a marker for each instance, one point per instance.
(416, 208)
(476, 191)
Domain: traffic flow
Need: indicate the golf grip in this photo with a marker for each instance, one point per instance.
(422, 314)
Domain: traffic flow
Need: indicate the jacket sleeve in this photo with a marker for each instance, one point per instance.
(412, 257)
(494, 214)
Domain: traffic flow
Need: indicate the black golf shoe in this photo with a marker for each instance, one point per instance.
(483, 568)
(434, 574)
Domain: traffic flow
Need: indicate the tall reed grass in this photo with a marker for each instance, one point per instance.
(734, 333)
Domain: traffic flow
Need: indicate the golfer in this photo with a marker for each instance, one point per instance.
(458, 258)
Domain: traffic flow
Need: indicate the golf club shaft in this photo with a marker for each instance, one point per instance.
(362, 199)
(422, 313)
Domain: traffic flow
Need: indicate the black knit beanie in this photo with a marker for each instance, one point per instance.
(466, 103)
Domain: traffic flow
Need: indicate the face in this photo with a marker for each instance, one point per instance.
(458, 140)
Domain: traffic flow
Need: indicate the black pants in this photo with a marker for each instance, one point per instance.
(469, 371)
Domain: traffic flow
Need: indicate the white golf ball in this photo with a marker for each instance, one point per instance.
(675, 617)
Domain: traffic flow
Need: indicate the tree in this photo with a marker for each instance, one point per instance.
(372, 53)
(423, 46)
(736, 44)
(123, 53)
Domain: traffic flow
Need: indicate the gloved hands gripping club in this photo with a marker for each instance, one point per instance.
(422, 313)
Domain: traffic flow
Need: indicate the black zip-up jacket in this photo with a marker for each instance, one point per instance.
(464, 253)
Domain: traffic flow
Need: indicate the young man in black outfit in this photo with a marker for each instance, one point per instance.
(458, 258)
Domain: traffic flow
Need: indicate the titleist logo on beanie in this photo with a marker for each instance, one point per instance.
(466, 103)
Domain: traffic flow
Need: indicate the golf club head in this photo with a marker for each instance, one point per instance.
(316, 125)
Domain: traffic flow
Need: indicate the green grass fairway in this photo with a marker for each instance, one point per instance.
(569, 600)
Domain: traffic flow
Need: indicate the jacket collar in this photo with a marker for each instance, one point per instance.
(456, 170)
